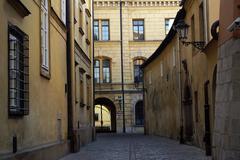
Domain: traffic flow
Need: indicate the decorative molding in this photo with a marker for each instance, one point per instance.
(19, 7)
(128, 3)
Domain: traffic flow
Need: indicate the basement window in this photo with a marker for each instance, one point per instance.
(18, 72)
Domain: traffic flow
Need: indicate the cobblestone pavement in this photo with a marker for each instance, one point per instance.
(136, 147)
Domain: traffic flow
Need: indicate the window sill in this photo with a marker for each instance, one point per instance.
(45, 73)
(81, 31)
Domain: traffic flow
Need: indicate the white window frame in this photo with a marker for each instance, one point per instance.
(44, 35)
(63, 11)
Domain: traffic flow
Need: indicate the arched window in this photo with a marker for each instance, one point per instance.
(106, 71)
(97, 71)
(138, 73)
(139, 115)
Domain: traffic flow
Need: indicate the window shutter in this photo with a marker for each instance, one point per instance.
(63, 8)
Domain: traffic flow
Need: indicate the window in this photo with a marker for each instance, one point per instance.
(106, 71)
(138, 29)
(168, 24)
(97, 71)
(63, 11)
(96, 30)
(44, 35)
(18, 72)
(138, 73)
(105, 30)
(139, 114)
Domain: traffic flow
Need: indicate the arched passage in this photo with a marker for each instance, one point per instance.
(105, 115)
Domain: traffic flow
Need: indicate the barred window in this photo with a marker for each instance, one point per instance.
(18, 72)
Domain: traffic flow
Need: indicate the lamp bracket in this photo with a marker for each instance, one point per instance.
(198, 44)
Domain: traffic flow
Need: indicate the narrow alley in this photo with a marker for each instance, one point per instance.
(136, 147)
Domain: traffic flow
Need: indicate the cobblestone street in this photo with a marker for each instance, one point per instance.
(136, 147)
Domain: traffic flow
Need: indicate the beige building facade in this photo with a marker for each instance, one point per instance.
(37, 120)
(180, 78)
(144, 25)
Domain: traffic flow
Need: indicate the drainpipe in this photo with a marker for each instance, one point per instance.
(180, 91)
(69, 72)
(121, 39)
(207, 137)
(144, 110)
(93, 79)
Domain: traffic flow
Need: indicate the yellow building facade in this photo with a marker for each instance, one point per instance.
(35, 120)
(180, 78)
(145, 24)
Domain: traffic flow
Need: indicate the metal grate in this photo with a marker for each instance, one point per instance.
(18, 72)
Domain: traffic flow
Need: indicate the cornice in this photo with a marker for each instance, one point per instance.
(138, 3)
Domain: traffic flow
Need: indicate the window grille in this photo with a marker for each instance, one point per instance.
(18, 72)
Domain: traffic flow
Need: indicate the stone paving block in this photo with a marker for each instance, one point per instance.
(136, 147)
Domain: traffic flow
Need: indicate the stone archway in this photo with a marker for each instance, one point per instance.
(107, 107)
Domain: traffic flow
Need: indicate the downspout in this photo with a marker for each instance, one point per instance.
(180, 91)
(69, 73)
(121, 39)
(93, 79)
(144, 109)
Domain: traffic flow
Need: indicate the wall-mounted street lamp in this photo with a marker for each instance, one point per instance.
(182, 29)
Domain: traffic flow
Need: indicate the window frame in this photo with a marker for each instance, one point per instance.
(23, 81)
(109, 67)
(133, 25)
(99, 68)
(140, 71)
(107, 30)
(45, 65)
(98, 30)
(63, 11)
